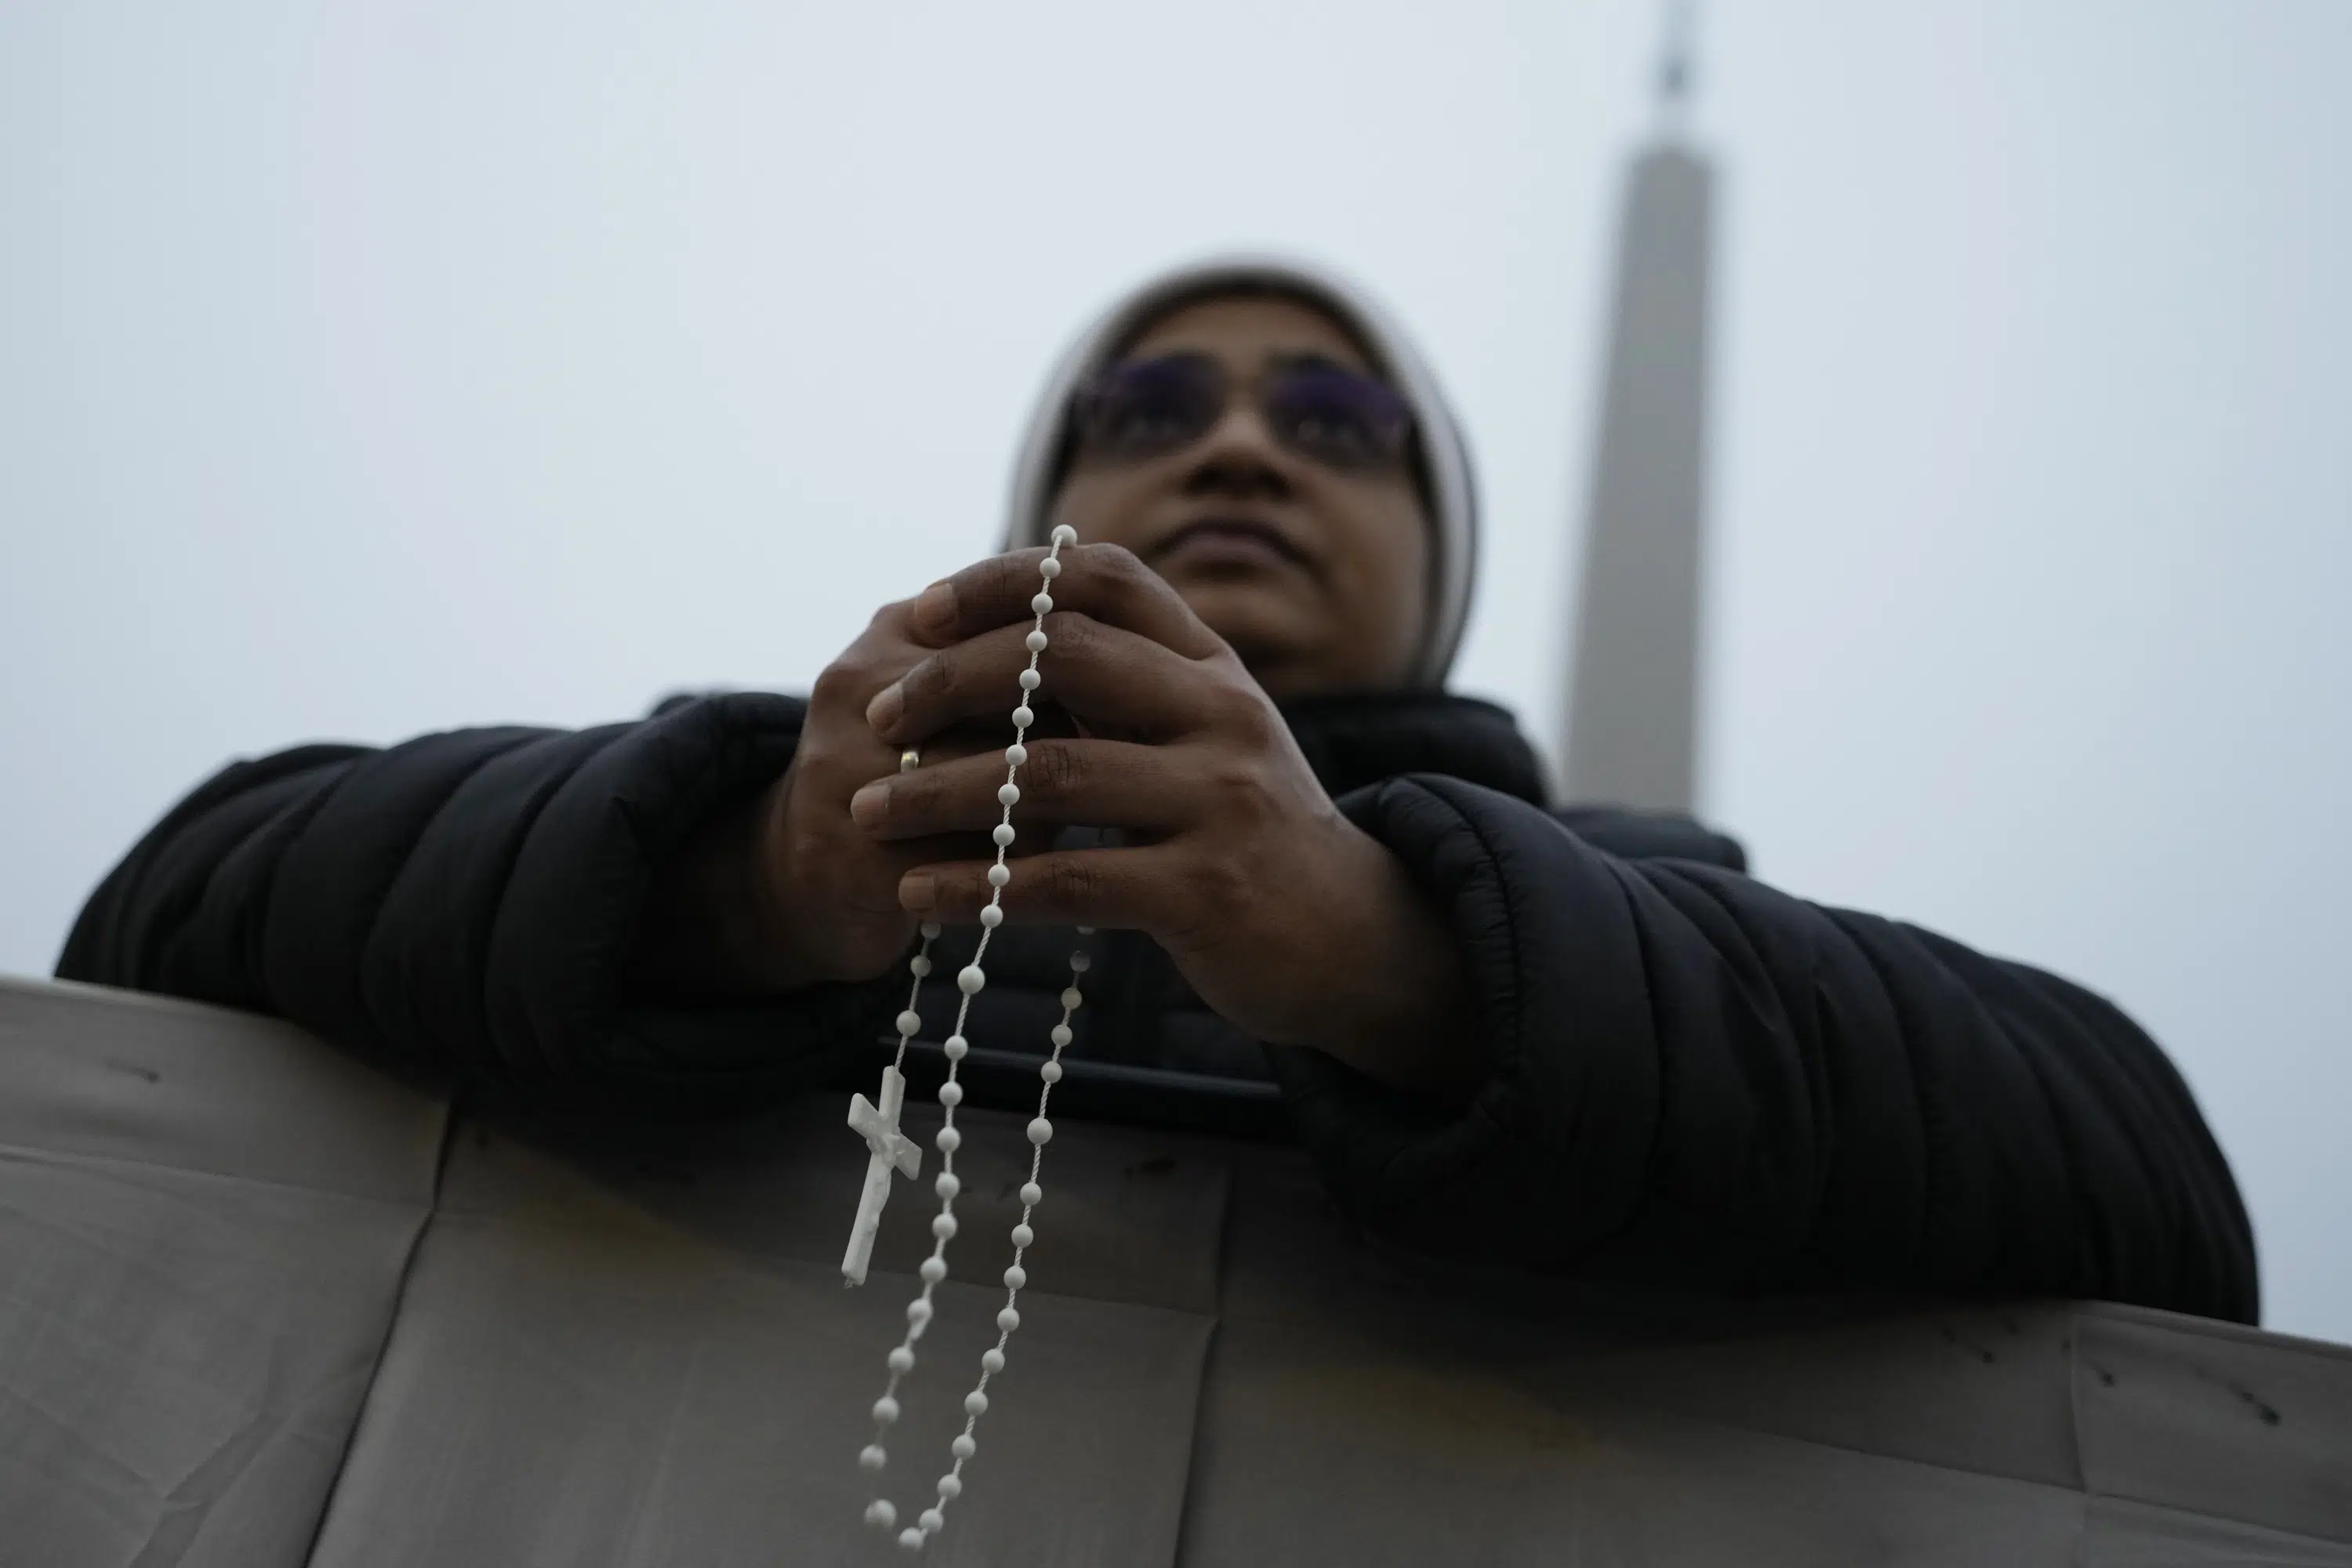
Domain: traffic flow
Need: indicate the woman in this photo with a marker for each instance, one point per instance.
(1574, 1041)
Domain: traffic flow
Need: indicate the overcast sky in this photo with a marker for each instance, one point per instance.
(366, 369)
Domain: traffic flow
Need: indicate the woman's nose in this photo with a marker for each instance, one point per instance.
(1238, 455)
(1239, 458)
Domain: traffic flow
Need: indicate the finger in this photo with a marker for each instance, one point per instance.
(1105, 581)
(1094, 784)
(892, 758)
(1126, 889)
(886, 649)
(874, 890)
(1099, 672)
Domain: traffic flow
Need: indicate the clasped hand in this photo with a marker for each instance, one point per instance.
(1289, 922)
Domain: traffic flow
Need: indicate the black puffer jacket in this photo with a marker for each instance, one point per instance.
(1695, 1078)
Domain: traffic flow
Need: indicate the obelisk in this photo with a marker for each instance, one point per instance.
(1631, 725)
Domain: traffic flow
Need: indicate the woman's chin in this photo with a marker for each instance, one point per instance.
(1257, 614)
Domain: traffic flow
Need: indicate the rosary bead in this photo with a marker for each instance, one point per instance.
(933, 1270)
(1071, 998)
(1022, 1235)
(1003, 835)
(1051, 1072)
(949, 1184)
(920, 966)
(1065, 534)
(1031, 680)
(991, 916)
(910, 1539)
(956, 1046)
(950, 1485)
(872, 1456)
(948, 1140)
(910, 1022)
(963, 1448)
(991, 1361)
(943, 1226)
(919, 1312)
(1032, 1194)
(1008, 1320)
(999, 875)
(902, 1362)
(1035, 642)
(1081, 963)
(1008, 794)
(1015, 1278)
(971, 978)
(1023, 718)
(1041, 1133)
(1015, 754)
(950, 1093)
(1062, 1036)
(881, 1513)
(1043, 604)
(1049, 568)
(931, 930)
(975, 1403)
(885, 1410)
(931, 1519)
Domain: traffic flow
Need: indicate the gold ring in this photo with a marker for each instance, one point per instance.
(911, 759)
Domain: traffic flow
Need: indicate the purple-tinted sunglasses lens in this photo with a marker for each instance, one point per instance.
(1337, 416)
(1143, 406)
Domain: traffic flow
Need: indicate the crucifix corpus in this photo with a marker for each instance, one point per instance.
(889, 1149)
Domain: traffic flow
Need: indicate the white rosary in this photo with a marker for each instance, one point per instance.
(892, 1150)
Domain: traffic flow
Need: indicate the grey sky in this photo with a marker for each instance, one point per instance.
(369, 369)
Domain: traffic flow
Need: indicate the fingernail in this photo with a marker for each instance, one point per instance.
(870, 807)
(887, 705)
(935, 609)
(917, 890)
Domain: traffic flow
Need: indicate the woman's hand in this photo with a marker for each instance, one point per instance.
(788, 891)
(1289, 922)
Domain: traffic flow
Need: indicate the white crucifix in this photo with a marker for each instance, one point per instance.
(889, 1147)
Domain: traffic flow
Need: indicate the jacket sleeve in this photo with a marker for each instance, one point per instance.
(465, 903)
(1699, 1079)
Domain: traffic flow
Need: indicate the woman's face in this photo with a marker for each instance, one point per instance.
(1308, 556)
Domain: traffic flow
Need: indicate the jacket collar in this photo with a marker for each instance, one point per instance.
(1354, 739)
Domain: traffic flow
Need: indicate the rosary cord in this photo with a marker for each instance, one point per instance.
(918, 966)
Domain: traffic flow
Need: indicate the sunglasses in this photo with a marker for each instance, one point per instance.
(1139, 409)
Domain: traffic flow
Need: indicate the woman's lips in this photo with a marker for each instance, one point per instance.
(1227, 545)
